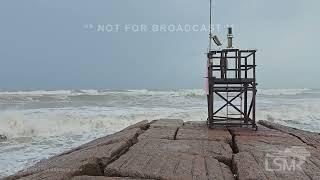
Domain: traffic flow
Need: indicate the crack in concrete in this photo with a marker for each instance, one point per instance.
(233, 143)
(122, 152)
(176, 133)
(235, 151)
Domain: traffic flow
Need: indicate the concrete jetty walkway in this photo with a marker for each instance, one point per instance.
(173, 149)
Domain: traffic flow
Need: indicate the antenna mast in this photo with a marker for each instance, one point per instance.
(210, 35)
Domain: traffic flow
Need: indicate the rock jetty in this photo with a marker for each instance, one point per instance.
(173, 149)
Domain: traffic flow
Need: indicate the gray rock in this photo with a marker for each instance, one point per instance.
(259, 150)
(195, 124)
(170, 166)
(159, 133)
(171, 149)
(144, 125)
(310, 138)
(219, 150)
(167, 159)
(199, 131)
(103, 178)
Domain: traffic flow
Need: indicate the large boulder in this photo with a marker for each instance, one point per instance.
(199, 131)
(272, 154)
(159, 133)
(179, 159)
(310, 138)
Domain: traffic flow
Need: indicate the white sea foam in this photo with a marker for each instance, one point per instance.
(276, 92)
(67, 121)
(179, 92)
(39, 92)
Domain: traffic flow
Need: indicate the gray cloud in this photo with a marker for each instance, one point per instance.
(44, 45)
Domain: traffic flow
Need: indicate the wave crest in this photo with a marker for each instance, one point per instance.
(278, 92)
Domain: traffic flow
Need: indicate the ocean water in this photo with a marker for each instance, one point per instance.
(40, 124)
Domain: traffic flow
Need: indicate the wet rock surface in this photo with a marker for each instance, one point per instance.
(273, 154)
(173, 149)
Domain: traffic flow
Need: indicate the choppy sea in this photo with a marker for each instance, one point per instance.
(40, 124)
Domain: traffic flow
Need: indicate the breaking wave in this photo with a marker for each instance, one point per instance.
(40, 124)
(70, 95)
(278, 92)
(48, 113)
(75, 121)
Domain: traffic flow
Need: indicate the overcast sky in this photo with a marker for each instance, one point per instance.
(56, 44)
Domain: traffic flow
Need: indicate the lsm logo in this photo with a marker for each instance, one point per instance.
(291, 159)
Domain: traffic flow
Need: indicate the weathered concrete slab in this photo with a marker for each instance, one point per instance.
(159, 133)
(87, 159)
(196, 131)
(310, 138)
(271, 154)
(173, 123)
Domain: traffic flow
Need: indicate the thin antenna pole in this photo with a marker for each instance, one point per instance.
(210, 35)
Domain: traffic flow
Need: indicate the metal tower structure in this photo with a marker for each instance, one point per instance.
(231, 84)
